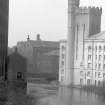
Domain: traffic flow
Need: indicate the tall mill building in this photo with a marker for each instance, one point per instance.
(84, 23)
(4, 13)
(42, 56)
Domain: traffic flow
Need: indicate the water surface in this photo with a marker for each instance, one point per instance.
(46, 94)
(70, 96)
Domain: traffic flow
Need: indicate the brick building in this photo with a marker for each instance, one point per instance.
(17, 69)
(34, 51)
(47, 64)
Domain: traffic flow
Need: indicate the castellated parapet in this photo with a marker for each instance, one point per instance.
(89, 10)
(74, 2)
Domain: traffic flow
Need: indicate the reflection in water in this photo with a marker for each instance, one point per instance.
(63, 96)
(72, 96)
(67, 96)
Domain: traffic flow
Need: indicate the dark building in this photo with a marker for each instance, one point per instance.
(4, 13)
(17, 68)
(47, 63)
(32, 49)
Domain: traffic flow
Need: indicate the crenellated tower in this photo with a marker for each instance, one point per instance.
(90, 17)
(83, 22)
(87, 23)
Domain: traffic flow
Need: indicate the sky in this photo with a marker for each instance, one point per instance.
(45, 17)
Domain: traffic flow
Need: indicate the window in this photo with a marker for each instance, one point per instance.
(99, 75)
(63, 56)
(88, 73)
(104, 75)
(62, 78)
(99, 57)
(89, 48)
(96, 57)
(62, 71)
(96, 48)
(62, 63)
(104, 66)
(99, 66)
(95, 74)
(89, 57)
(100, 48)
(19, 75)
(81, 81)
(89, 65)
(95, 82)
(88, 82)
(96, 66)
(63, 47)
(104, 48)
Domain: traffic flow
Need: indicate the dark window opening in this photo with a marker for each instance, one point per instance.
(19, 75)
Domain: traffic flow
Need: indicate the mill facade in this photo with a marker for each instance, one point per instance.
(83, 23)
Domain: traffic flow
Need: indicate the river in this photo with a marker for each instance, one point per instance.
(70, 96)
(67, 96)
(46, 94)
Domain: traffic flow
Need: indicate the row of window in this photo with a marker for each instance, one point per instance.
(99, 66)
(96, 48)
(96, 57)
(82, 81)
(89, 81)
(89, 74)
(96, 65)
(99, 75)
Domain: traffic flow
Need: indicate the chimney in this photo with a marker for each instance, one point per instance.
(28, 38)
(38, 37)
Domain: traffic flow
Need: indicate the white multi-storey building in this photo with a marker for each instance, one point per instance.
(92, 67)
(62, 62)
(84, 23)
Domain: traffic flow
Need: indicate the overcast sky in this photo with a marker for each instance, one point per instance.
(46, 17)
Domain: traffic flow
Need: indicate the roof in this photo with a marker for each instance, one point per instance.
(99, 36)
(40, 43)
(17, 54)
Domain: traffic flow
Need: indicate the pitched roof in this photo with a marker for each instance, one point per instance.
(40, 43)
(14, 54)
(99, 36)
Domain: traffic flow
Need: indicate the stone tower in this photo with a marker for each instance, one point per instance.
(87, 23)
(72, 5)
(83, 22)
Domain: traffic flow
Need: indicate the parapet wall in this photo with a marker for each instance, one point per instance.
(89, 10)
